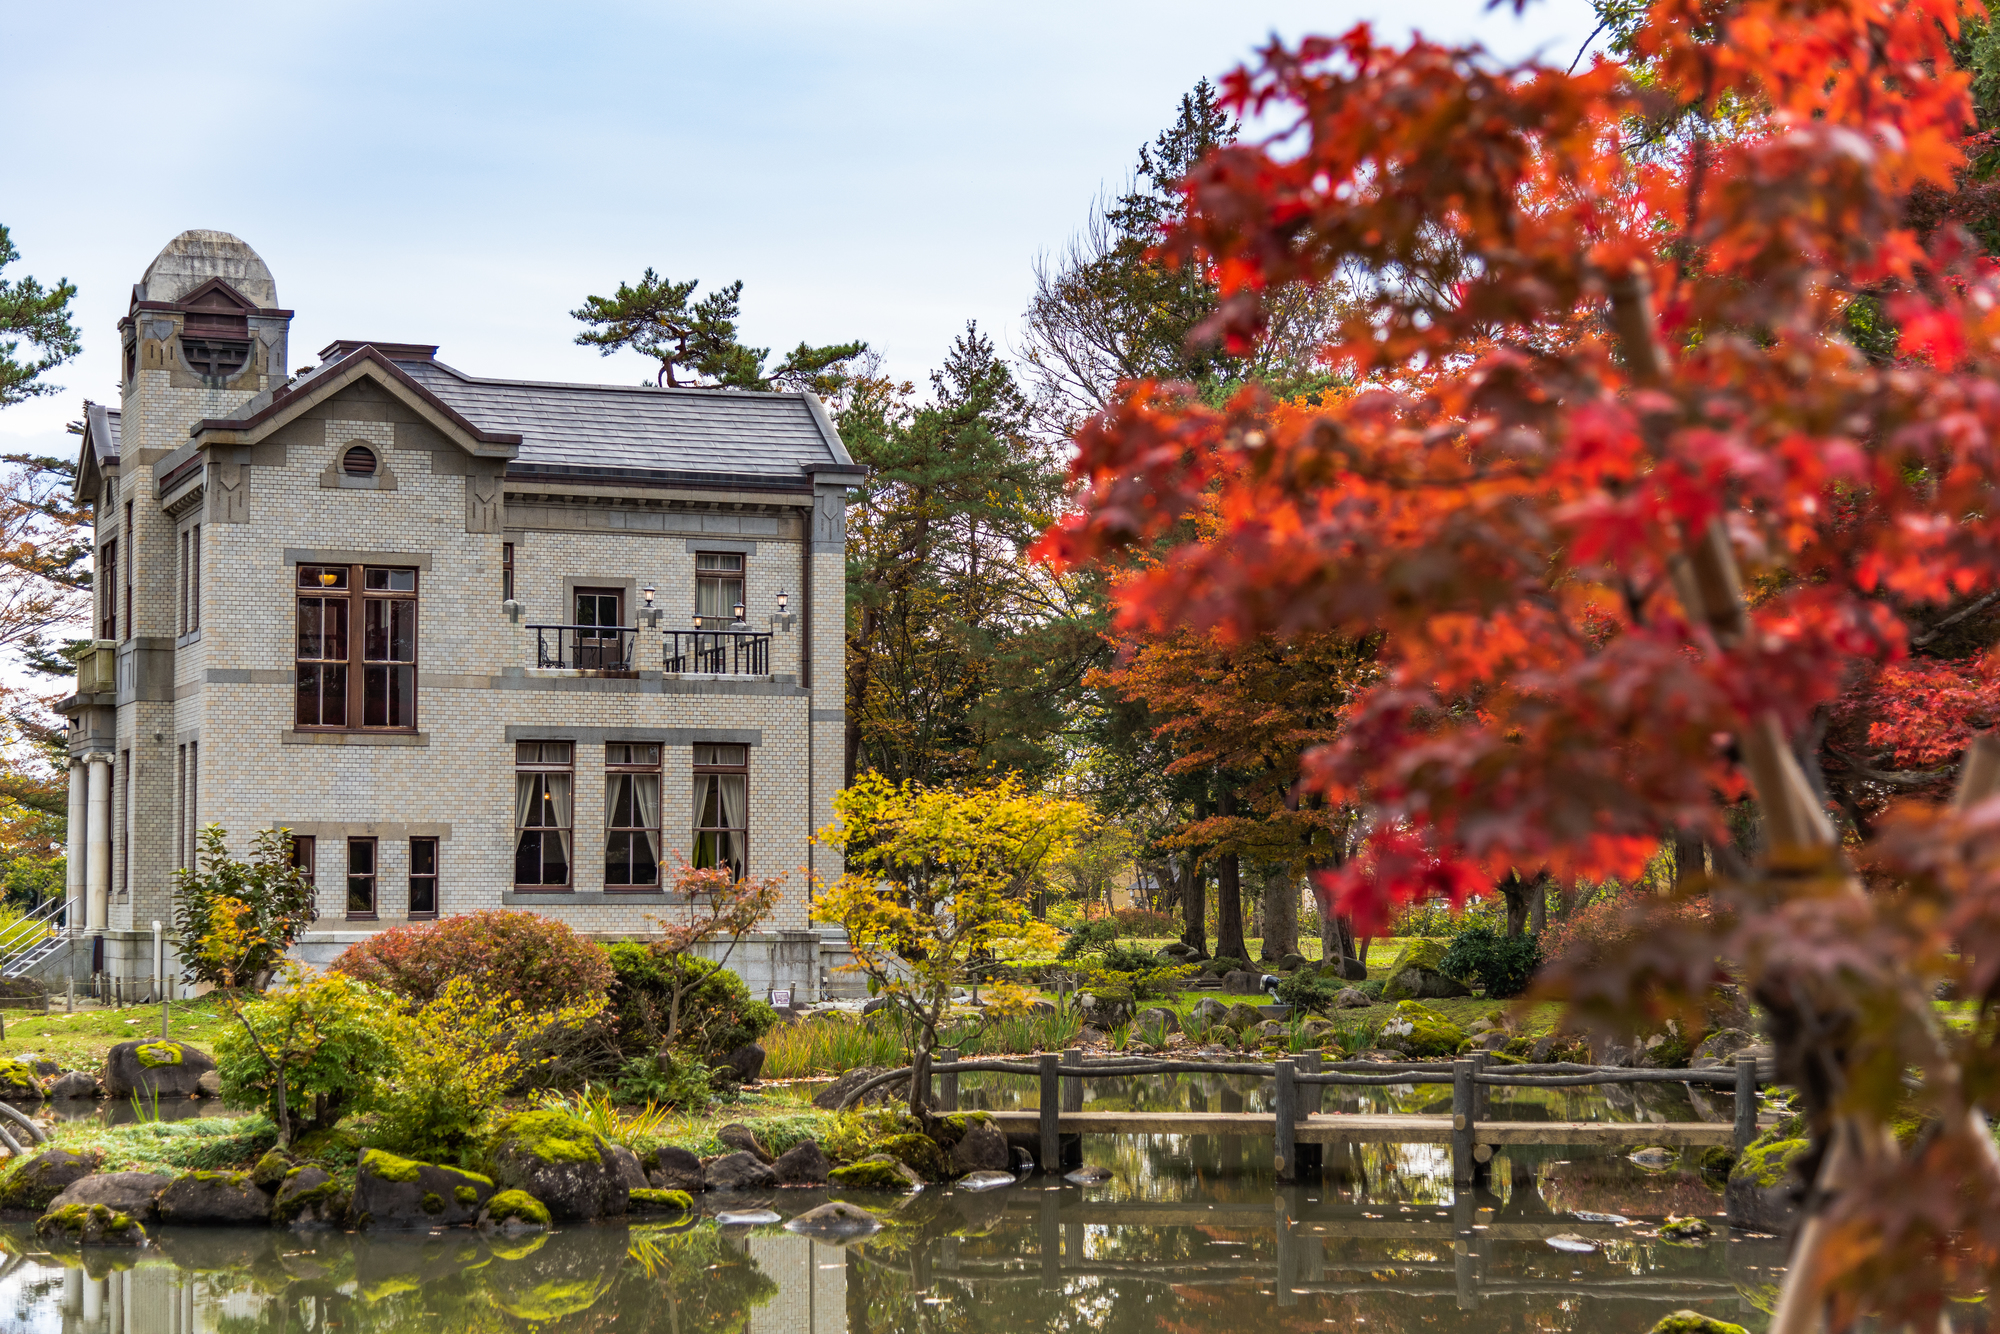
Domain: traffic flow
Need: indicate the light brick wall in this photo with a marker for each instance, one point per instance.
(231, 686)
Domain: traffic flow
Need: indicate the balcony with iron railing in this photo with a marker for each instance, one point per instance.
(615, 651)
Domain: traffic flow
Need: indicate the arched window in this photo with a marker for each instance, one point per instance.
(359, 461)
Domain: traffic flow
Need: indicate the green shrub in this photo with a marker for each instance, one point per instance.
(1308, 993)
(1372, 988)
(1094, 936)
(1222, 963)
(520, 956)
(717, 1013)
(1503, 965)
(673, 1078)
(334, 1038)
(241, 917)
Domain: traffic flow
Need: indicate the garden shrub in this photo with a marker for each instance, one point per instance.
(1120, 958)
(1145, 923)
(1503, 965)
(672, 1078)
(1309, 993)
(240, 916)
(1222, 963)
(1092, 937)
(520, 956)
(334, 1037)
(1594, 931)
(717, 1014)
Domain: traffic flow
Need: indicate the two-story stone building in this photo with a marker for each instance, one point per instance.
(478, 643)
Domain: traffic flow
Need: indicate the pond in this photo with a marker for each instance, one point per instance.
(1188, 1234)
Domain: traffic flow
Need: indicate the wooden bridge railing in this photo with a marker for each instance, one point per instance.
(1298, 1082)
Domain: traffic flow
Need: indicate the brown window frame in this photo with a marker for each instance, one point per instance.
(698, 828)
(355, 665)
(531, 768)
(506, 571)
(742, 574)
(131, 545)
(109, 602)
(304, 858)
(433, 876)
(633, 834)
(373, 877)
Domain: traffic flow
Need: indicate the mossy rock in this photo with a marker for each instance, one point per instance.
(560, 1161)
(1693, 1322)
(389, 1167)
(309, 1195)
(271, 1170)
(1418, 973)
(153, 1055)
(35, 1184)
(90, 1225)
(919, 1153)
(876, 1172)
(1421, 1032)
(1759, 1191)
(337, 1144)
(661, 1202)
(524, 1210)
(390, 1191)
(19, 1083)
(1240, 1017)
(1685, 1232)
(1768, 1162)
(951, 1129)
(553, 1137)
(1715, 1163)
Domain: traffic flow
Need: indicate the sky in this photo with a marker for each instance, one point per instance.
(465, 174)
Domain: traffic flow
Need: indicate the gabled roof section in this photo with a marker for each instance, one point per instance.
(701, 437)
(99, 449)
(216, 294)
(364, 363)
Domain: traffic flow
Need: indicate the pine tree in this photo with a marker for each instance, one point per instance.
(660, 319)
(41, 316)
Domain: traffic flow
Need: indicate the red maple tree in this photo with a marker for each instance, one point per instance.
(1628, 507)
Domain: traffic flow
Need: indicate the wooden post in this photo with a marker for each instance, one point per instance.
(1285, 1109)
(1462, 1122)
(1482, 1097)
(1312, 1157)
(1072, 1085)
(1049, 1231)
(1746, 1102)
(1051, 1113)
(1288, 1252)
(948, 1091)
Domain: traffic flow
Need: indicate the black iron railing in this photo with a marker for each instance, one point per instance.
(585, 648)
(718, 652)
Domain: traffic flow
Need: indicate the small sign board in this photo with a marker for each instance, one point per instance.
(781, 998)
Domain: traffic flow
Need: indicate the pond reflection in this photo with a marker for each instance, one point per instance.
(1187, 1235)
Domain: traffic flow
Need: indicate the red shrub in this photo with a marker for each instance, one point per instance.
(1144, 922)
(1598, 929)
(521, 955)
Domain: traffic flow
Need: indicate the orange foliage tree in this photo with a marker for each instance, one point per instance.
(1627, 506)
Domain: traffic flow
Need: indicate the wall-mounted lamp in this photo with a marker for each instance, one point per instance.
(784, 619)
(739, 610)
(648, 614)
(512, 610)
(647, 593)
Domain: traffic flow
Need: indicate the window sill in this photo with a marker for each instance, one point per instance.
(361, 917)
(530, 897)
(191, 637)
(355, 738)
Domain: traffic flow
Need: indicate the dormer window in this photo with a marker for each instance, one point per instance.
(215, 331)
(358, 462)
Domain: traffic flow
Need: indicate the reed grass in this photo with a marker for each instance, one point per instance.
(833, 1046)
(596, 1108)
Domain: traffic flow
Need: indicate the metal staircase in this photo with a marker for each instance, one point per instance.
(34, 939)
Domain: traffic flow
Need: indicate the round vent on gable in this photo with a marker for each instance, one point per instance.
(359, 461)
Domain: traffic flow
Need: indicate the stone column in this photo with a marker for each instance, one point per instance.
(79, 807)
(98, 881)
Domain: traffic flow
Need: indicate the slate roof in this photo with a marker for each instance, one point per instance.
(102, 424)
(701, 435)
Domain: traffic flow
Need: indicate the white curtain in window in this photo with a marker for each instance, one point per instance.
(524, 800)
(646, 809)
(732, 799)
(617, 791)
(559, 808)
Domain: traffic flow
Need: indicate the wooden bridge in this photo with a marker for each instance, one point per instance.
(1298, 1127)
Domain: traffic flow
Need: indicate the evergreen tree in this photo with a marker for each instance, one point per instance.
(41, 316)
(661, 319)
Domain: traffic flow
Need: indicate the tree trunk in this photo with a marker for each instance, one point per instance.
(1514, 890)
(1194, 903)
(1538, 907)
(1281, 914)
(1690, 858)
(920, 1081)
(1333, 944)
(1229, 892)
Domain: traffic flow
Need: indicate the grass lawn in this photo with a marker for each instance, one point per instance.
(80, 1041)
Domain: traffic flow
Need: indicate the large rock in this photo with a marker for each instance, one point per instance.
(745, 1063)
(48, 1174)
(836, 1221)
(1351, 998)
(19, 1082)
(392, 1192)
(74, 1084)
(1242, 1017)
(1210, 1010)
(131, 1193)
(741, 1138)
(829, 1098)
(739, 1171)
(1291, 963)
(1420, 1032)
(1346, 968)
(1105, 1009)
(1243, 982)
(1156, 1019)
(1720, 1048)
(309, 1198)
(878, 1171)
(214, 1199)
(1415, 974)
(675, 1168)
(804, 1164)
(1759, 1193)
(629, 1169)
(983, 1148)
(90, 1225)
(561, 1162)
(149, 1068)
